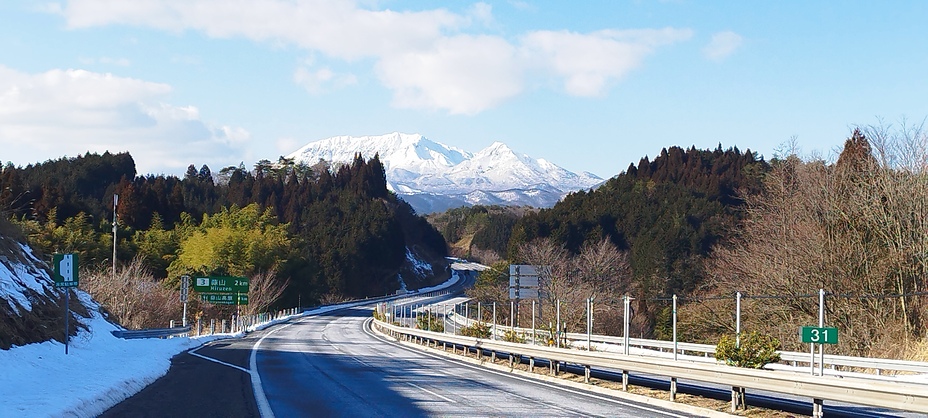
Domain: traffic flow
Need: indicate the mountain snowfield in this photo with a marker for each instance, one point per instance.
(434, 177)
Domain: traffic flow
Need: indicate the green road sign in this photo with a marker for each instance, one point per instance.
(818, 335)
(65, 270)
(225, 298)
(219, 284)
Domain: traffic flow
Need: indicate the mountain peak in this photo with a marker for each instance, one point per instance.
(416, 165)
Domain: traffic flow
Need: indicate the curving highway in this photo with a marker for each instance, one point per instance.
(333, 365)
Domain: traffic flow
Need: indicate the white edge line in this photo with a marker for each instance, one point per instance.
(370, 330)
(264, 408)
(194, 353)
(431, 393)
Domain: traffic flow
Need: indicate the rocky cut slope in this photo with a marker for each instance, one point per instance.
(31, 308)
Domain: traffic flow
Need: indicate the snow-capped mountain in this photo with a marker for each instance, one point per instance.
(433, 177)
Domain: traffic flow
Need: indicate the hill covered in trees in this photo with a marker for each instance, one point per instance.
(331, 232)
(667, 213)
(662, 218)
(479, 233)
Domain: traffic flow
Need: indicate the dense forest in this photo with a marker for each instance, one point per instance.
(647, 233)
(667, 214)
(325, 232)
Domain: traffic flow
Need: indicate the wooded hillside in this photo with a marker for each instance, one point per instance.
(336, 232)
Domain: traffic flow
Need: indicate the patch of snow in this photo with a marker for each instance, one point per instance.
(422, 268)
(16, 277)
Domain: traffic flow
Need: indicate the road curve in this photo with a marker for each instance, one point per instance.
(330, 365)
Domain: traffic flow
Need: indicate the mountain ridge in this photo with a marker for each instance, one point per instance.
(433, 176)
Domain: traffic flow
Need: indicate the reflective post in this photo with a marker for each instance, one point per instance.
(494, 320)
(589, 324)
(557, 330)
(737, 319)
(625, 325)
(675, 327)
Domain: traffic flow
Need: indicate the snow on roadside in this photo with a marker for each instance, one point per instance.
(98, 372)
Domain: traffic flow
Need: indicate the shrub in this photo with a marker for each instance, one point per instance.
(755, 351)
(478, 330)
(430, 322)
(513, 337)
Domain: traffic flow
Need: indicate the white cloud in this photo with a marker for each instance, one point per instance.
(423, 57)
(483, 13)
(722, 45)
(317, 80)
(588, 62)
(70, 112)
(337, 28)
(462, 74)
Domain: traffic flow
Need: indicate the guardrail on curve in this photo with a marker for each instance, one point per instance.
(891, 395)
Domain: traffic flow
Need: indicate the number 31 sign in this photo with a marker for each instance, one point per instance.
(816, 335)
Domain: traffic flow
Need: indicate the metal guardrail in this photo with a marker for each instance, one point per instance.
(882, 394)
(151, 333)
(708, 350)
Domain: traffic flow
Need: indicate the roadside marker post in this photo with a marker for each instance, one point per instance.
(65, 276)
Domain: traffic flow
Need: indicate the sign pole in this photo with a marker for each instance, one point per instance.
(115, 220)
(821, 324)
(533, 322)
(67, 308)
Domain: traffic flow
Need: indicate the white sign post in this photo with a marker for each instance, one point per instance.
(65, 269)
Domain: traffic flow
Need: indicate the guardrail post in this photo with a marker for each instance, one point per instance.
(171, 324)
(224, 322)
(212, 326)
(737, 398)
(673, 389)
(586, 374)
(199, 326)
(625, 380)
(531, 364)
(818, 410)
(511, 357)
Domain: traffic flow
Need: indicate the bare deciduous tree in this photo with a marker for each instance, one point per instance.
(263, 290)
(857, 228)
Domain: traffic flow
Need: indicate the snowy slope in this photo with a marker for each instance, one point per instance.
(434, 176)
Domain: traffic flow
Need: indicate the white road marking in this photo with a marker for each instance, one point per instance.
(432, 393)
(194, 353)
(264, 407)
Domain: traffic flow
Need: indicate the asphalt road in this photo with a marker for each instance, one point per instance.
(332, 366)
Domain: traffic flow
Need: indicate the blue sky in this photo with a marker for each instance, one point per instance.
(591, 86)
